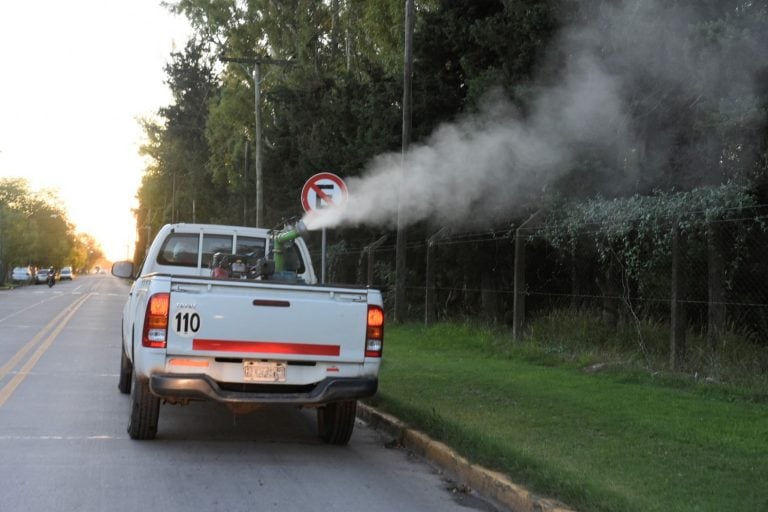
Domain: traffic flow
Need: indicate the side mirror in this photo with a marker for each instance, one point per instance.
(123, 269)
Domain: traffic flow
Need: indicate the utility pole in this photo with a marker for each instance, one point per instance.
(400, 268)
(245, 183)
(256, 76)
(149, 232)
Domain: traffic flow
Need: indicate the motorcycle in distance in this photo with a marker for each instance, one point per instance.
(51, 278)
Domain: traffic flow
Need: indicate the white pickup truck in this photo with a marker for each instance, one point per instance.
(234, 314)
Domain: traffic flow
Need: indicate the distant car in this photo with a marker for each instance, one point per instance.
(42, 276)
(22, 274)
(66, 273)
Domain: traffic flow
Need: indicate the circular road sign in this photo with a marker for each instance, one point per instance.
(322, 191)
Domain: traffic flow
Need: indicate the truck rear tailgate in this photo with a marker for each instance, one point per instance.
(256, 320)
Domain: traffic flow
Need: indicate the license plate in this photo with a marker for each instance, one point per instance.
(263, 371)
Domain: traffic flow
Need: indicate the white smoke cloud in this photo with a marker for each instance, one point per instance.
(491, 163)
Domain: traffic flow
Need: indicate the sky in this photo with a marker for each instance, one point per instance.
(75, 78)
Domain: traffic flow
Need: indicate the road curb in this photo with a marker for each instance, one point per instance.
(487, 483)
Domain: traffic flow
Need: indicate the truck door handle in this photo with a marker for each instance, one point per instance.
(272, 303)
(346, 297)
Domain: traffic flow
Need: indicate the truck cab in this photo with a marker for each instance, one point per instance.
(190, 250)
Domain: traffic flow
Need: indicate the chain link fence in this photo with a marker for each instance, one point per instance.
(706, 280)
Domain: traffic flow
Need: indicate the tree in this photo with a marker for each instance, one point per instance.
(34, 228)
(680, 106)
(178, 185)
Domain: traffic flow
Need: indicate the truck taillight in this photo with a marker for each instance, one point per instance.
(374, 336)
(156, 321)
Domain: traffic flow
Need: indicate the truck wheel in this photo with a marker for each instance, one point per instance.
(126, 372)
(145, 409)
(336, 421)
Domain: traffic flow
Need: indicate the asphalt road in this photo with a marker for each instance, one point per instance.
(64, 447)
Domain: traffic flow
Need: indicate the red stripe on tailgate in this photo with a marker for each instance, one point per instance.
(269, 347)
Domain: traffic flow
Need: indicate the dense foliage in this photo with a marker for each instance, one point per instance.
(621, 228)
(588, 110)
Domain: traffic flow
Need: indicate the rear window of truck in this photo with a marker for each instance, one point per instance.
(184, 249)
(180, 249)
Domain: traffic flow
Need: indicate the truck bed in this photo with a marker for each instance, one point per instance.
(265, 320)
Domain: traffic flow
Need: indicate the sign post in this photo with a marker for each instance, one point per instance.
(323, 191)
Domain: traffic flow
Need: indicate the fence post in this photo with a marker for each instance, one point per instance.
(518, 306)
(715, 285)
(574, 279)
(368, 250)
(679, 289)
(430, 312)
(429, 296)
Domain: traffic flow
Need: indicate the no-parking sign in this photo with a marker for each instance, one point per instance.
(323, 190)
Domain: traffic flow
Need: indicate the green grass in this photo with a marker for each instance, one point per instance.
(620, 440)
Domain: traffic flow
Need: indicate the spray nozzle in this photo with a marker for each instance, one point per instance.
(290, 233)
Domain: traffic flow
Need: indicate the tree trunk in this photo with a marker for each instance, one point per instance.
(611, 293)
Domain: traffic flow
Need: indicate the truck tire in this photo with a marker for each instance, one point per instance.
(145, 409)
(336, 421)
(126, 373)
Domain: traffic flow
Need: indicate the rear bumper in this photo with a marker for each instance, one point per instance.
(176, 387)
